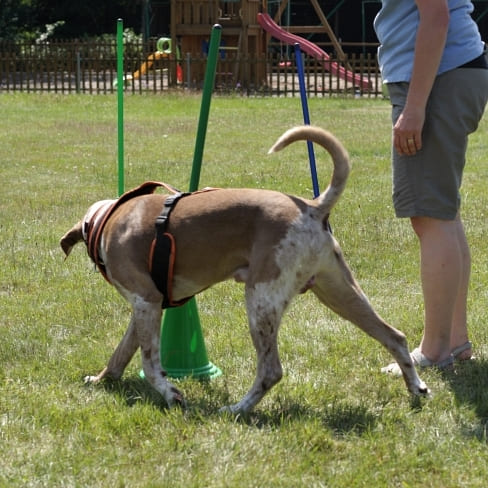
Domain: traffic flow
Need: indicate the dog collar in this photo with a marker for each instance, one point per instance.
(99, 213)
(94, 216)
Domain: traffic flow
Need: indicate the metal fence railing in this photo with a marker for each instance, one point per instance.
(90, 67)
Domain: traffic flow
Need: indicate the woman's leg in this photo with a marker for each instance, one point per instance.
(445, 268)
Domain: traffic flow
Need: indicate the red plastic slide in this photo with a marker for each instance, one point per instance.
(269, 25)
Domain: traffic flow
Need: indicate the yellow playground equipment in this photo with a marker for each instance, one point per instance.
(163, 50)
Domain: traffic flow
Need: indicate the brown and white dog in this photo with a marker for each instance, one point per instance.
(276, 244)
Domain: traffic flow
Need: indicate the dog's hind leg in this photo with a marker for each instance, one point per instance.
(265, 309)
(340, 292)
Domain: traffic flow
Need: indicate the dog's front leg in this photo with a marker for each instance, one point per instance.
(147, 317)
(121, 356)
(144, 331)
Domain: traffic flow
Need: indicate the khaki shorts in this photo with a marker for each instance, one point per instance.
(427, 184)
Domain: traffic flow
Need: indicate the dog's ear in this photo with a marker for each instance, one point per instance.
(71, 238)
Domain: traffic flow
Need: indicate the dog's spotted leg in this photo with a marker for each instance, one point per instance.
(265, 309)
(147, 316)
(339, 291)
(144, 331)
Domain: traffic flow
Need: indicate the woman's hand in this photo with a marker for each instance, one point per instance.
(407, 132)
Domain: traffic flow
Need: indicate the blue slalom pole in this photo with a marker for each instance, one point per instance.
(306, 118)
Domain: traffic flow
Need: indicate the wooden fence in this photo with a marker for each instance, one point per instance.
(90, 67)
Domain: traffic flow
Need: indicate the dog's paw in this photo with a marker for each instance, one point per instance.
(174, 398)
(227, 410)
(105, 373)
(421, 389)
(233, 410)
(91, 380)
(419, 395)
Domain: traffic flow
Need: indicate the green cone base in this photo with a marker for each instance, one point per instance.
(210, 371)
(182, 348)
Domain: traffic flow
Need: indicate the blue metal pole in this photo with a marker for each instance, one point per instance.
(306, 118)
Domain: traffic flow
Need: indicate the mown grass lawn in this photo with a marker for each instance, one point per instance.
(333, 421)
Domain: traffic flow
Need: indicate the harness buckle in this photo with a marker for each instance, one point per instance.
(169, 203)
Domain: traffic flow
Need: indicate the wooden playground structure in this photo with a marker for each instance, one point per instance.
(244, 35)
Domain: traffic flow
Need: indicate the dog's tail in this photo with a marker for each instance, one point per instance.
(333, 146)
(72, 237)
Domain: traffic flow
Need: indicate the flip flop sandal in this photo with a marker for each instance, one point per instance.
(421, 362)
(457, 351)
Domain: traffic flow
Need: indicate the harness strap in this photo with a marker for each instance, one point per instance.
(163, 251)
(162, 254)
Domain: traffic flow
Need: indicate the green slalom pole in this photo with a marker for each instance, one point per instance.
(183, 351)
(208, 84)
(120, 104)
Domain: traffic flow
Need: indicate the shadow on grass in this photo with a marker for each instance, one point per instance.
(206, 397)
(469, 384)
(341, 419)
(133, 390)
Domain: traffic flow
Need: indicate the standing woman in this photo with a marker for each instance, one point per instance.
(433, 62)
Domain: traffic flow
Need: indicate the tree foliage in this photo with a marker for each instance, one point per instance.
(27, 19)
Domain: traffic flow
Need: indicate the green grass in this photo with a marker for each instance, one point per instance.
(333, 421)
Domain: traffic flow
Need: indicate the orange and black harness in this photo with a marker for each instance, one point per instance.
(162, 254)
(163, 249)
